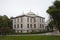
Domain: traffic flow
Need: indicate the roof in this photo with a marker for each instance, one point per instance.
(29, 14)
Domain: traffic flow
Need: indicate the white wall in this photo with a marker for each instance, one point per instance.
(25, 24)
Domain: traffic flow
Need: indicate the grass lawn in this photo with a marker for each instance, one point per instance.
(41, 37)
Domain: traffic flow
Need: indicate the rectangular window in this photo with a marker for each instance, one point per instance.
(21, 31)
(31, 20)
(34, 20)
(17, 25)
(43, 25)
(40, 19)
(31, 25)
(14, 20)
(21, 25)
(27, 19)
(27, 25)
(27, 30)
(21, 19)
(17, 20)
(17, 31)
(40, 25)
(34, 25)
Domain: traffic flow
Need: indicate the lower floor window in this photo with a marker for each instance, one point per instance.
(27, 30)
(21, 31)
(17, 31)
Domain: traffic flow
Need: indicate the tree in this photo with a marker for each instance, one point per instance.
(54, 12)
(5, 25)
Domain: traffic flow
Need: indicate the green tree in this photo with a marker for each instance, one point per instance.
(54, 12)
(5, 25)
(1, 21)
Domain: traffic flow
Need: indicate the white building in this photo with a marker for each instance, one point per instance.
(28, 23)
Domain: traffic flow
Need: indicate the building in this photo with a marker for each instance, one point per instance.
(29, 22)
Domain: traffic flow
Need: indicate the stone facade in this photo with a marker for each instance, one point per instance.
(28, 23)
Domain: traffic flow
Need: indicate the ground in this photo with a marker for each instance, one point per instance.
(34, 37)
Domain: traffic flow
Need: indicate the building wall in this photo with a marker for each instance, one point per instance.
(28, 21)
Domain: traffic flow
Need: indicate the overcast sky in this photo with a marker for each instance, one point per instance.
(17, 7)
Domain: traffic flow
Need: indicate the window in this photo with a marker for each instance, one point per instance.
(21, 31)
(43, 25)
(17, 31)
(14, 26)
(34, 25)
(31, 20)
(34, 20)
(31, 25)
(21, 25)
(40, 25)
(27, 30)
(40, 19)
(21, 19)
(17, 25)
(27, 25)
(27, 19)
(17, 20)
(14, 20)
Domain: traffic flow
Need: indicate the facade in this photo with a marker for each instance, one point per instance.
(28, 23)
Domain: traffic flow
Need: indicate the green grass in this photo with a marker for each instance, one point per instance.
(42, 37)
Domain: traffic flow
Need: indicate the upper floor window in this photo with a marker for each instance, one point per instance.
(34, 20)
(43, 25)
(14, 20)
(40, 25)
(31, 19)
(21, 25)
(17, 25)
(21, 19)
(34, 25)
(27, 19)
(31, 25)
(27, 25)
(17, 20)
(40, 19)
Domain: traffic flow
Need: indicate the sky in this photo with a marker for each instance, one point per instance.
(19, 7)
